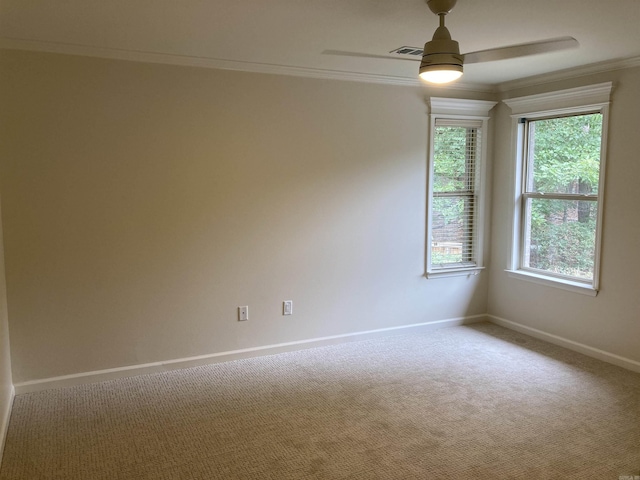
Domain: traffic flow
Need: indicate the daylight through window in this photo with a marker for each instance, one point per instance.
(560, 195)
(560, 153)
(455, 194)
(456, 197)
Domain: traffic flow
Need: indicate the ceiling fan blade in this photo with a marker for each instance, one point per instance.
(368, 55)
(521, 50)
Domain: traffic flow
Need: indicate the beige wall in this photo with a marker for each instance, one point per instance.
(143, 203)
(610, 321)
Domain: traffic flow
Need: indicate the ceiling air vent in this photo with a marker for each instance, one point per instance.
(408, 51)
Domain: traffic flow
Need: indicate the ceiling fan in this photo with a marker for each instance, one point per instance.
(442, 61)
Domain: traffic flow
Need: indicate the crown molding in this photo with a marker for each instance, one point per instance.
(589, 95)
(222, 64)
(569, 73)
(458, 106)
(202, 62)
(255, 67)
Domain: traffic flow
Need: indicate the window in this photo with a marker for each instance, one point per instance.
(560, 195)
(558, 185)
(456, 194)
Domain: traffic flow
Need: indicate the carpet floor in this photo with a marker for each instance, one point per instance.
(472, 402)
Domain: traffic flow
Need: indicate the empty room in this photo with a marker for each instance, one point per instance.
(319, 240)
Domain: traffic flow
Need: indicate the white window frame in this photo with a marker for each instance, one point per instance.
(471, 113)
(574, 101)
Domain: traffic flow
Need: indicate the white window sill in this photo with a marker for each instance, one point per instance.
(576, 287)
(454, 272)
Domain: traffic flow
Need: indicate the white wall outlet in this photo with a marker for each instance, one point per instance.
(243, 314)
(287, 307)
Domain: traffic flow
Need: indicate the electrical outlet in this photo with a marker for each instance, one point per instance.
(243, 313)
(287, 307)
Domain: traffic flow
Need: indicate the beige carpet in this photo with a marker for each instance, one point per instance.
(477, 402)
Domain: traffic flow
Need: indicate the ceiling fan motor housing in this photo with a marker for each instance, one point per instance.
(441, 7)
(442, 52)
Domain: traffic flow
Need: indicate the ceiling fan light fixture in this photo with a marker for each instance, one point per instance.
(441, 62)
(441, 74)
(439, 67)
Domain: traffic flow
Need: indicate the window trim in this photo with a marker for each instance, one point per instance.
(581, 100)
(467, 113)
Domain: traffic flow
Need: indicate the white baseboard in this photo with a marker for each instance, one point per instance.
(174, 364)
(608, 357)
(156, 367)
(5, 415)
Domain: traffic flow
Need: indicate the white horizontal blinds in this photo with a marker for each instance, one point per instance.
(455, 193)
(560, 195)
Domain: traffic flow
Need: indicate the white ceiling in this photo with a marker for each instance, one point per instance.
(290, 35)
